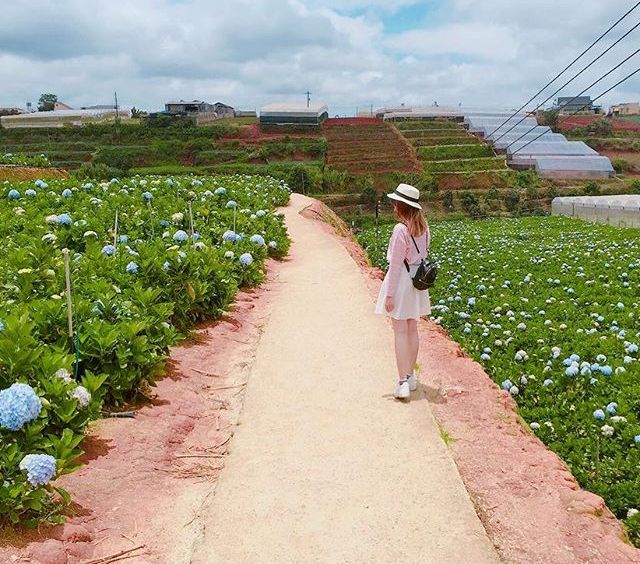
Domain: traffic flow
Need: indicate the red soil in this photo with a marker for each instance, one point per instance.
(332, 122)
(145, 477)
(529, 502)
(573, 122)
(253, 133)
(10, 172)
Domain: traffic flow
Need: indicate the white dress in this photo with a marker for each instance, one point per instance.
(409, 302)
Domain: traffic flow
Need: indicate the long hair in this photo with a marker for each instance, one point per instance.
(411, 217)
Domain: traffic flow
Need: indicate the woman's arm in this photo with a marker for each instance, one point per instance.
(398, 249)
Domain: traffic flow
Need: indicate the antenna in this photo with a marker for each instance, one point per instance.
(308, 97)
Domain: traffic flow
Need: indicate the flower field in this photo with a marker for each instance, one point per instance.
(550, 308)
(24, 160)
(176, 254)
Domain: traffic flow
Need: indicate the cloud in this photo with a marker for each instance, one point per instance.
(251, 52)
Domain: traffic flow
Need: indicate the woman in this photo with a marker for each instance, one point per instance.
(398, 298)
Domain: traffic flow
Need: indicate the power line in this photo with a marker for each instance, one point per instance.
(581, 93)
(586, 105)
(566, 68)
(572, 79)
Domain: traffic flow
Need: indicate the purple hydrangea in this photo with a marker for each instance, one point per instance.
(109, 250)
(229, 236)
(180, 236)
(132, 268)
(64, 219)
(246, 259)
(257, 239)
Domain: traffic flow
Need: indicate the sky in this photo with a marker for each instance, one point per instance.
(350, 54)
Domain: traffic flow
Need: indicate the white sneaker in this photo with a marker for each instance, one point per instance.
(402, 391)
(413, 382)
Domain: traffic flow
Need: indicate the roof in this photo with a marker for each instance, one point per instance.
(225, 105)
(292, 108)
(65, 114)
(187, 102)
(574, 100)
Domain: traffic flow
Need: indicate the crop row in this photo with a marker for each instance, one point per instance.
(468, 165)
(448, 152)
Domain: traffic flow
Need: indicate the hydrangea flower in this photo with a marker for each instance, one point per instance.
(231, 204)
(64, 219)
(164, 223)
(19, 404)
(572, 370)
(177, 217)
(606, 370)
(64, 374)
(612, 408)
(166, 265)
(108, 250)
(636, 439)
(607, 430)
(246, 259)
(514, 390)
(14, 194)
(66, 193)
(261, 213)
(30, 192)
(82, 395)
(1, 326)
(123, 239)
(599, 414)
(180, 236)
(148, 196)
(548, 382)
(507, 384)
(535, 426)
(273, 245)
(257, 239)
(229, 236)
(132, 268)
(229, 255)
(40, 468)
(220, 191)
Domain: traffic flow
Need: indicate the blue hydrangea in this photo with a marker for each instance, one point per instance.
(599, 414)
(40, 468)
(14, 195)
(612, 408)
(195, 236)
(229, 236)
(108, 250)
(123, 239)
(229, 255)
(572, 370)
(31, 193)
(220, 191)
(593, 381)
(66, 193)
(166, 265)
(180, 236)
(169, 181)
(231, 204)
(548, 382)
(506, 385)
(88, 186)
(41, 184)
(632, 348)
(523, 380)
(481, 288)
(19, 404)
(147, 196)
(585, 370)
(64, 219)
(273, 245)
(257, 239)
(246, 259)
(636, 439)
(606, 370)
(132, 268)
(82, 395)
(261, 213)
(208, 194)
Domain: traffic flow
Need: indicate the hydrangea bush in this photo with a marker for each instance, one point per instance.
(135, 293)
(551, 308)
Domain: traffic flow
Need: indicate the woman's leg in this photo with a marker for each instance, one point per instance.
(413, 343)
(403, 350)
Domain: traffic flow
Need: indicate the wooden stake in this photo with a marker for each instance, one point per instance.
(115, 231)
(234, 218)
(67, 275)
(191, 222)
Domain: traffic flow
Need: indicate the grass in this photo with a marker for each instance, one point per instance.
(469, 165)
(448, 152)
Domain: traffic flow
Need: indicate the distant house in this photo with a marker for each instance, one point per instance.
(185, 108)
(246, 113)
(293, 114)
(11, 111)
(64, 118)
(61, 106)
(571, 104)
(628, 109)
(223, 110)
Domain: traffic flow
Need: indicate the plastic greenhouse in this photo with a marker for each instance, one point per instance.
(525, 156)
(574, 167)
(621, 211)
(518, 140)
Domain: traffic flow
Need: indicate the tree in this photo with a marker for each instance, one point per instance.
(552, 119)
(47, 102)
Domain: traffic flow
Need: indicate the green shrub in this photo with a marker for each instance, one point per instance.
(512, 201)
(621, 165)
(447, 199)
(635, 186)
(99, 171)
(592, 188)
(449, 152)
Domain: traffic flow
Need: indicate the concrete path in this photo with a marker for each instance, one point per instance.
(325, 466)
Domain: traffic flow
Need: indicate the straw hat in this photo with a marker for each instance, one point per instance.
(407, 194)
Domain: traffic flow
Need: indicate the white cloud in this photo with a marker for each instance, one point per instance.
(251, 52)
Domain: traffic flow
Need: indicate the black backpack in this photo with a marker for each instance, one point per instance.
(425, 276)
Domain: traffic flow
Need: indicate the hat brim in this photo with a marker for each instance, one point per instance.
(394, 196)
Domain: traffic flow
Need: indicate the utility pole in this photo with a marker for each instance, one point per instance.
(308, 97)
(115, 96)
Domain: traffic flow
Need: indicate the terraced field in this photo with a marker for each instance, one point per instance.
(362, 147)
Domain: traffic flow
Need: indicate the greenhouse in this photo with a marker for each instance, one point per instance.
(524, 156)
(64, 118)
(479, 124)
(294, 114)
(574, 167)
(428, 113)
(620, 211)
(518, 140)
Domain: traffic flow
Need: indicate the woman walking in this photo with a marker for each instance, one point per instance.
(398, 298)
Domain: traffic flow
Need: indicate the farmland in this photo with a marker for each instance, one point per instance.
(549, 307)
(176, 254)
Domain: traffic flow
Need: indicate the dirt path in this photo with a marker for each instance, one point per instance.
(325, 466)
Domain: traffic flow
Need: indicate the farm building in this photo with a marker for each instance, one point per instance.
(64, 118)
(223, 110)
(621, 211)
(427, 113)
(629, 109)
(570, 104)
(293, 114)
(183, 107)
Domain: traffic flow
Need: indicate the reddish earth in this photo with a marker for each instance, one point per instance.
(253, 132)
(529, 503)
(573, 122)
(146, 478)
(9, 172)
(333, 122)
